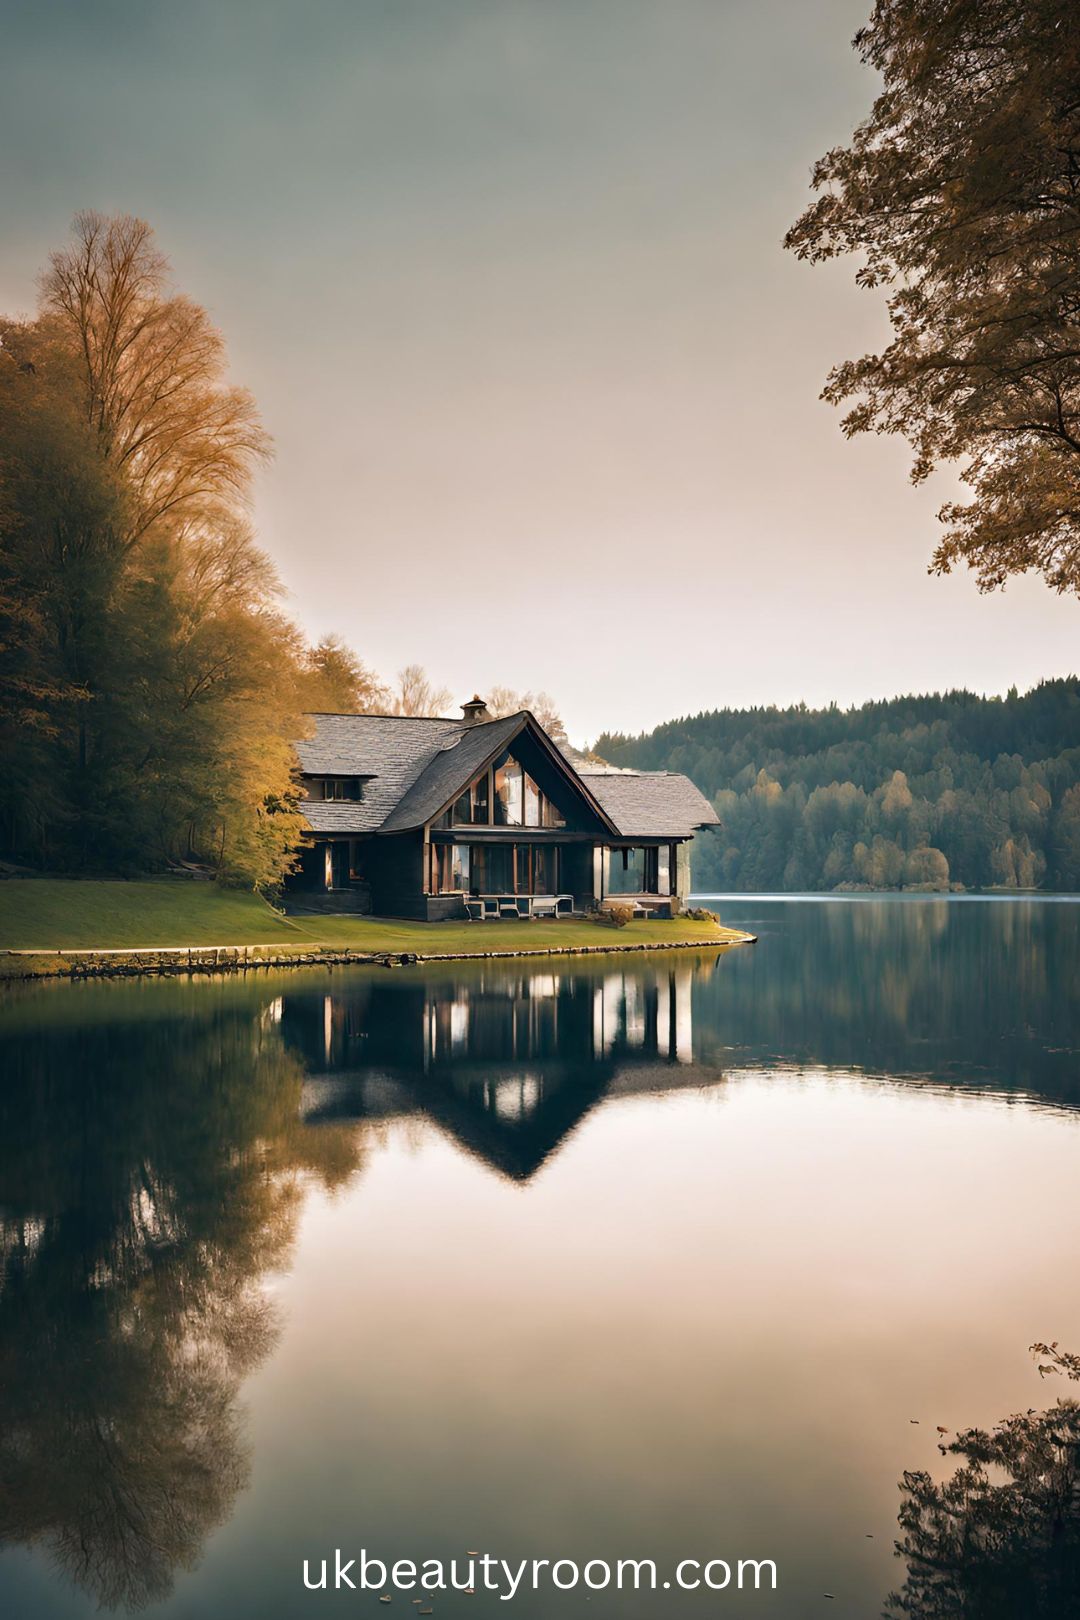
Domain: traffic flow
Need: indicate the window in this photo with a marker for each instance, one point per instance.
(493, 869)
(514, 869)
(518, 800)
(337, 788)
(459, 868)
(549, 815)
(509, 793)
(470, 809)
(633, 871)
(449, 869)
(545, 872)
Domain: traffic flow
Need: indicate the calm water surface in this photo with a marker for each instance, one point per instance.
(659, 1257)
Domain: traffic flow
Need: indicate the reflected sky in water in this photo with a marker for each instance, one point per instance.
(658, 1256)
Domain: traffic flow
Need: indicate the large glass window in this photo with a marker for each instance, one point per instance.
(459, 868)
(509, 793)
(632, 871)
(545, 872)
(450, 867)
(549, 813)
(493, 869)
(470, 809)
(513, 869)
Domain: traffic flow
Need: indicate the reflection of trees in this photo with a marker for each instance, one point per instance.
(954, 990)
(1000, 1540)
(150, 1178)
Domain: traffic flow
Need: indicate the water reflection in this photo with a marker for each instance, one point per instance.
(151, 1172)
(957, 992)
(1001, 1537)
(157, 1141)
(149, 1177)
(506, 1063)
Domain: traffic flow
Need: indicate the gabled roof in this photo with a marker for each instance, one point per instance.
(414, 767)
(651, 804)
(451, 771)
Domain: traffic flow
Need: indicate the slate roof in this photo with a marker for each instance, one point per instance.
(390, 749)
(414, 766)
(651, 804)
(338, 815)
(450, 771)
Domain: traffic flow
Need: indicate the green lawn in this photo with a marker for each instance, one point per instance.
(56, 914)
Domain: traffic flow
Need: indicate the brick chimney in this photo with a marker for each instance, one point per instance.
(475, 712)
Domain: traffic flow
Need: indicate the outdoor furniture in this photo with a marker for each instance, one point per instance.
(484, 907)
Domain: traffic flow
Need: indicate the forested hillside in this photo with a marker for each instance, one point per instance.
(933, 791)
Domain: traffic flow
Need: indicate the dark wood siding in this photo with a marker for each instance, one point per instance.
(395, 869)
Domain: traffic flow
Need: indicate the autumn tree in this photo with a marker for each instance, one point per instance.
(335, 680)
(415, 693)
(125, 480)
(960, 196)
(502, 700)
(149, 368)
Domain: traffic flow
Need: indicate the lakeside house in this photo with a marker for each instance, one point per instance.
(435, 819)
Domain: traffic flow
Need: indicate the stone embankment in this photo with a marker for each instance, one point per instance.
(173, 961)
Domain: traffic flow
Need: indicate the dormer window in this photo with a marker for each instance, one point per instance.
(337, 789)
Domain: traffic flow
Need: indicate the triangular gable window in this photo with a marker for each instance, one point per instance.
(504, 795)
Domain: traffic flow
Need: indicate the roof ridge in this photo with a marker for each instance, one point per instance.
(369, 714)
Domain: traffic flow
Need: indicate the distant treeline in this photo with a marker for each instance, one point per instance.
(920, 792)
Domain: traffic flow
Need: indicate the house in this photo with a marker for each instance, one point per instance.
(434, 819)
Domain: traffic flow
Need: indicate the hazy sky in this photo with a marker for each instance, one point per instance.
(505, 277)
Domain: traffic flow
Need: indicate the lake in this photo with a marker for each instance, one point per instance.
(680, 1256)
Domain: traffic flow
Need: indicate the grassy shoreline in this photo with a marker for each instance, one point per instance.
(45, 923)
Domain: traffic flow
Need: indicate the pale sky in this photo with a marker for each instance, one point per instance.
(505, 277)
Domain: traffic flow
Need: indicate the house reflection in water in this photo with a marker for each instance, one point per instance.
(505, 1060)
